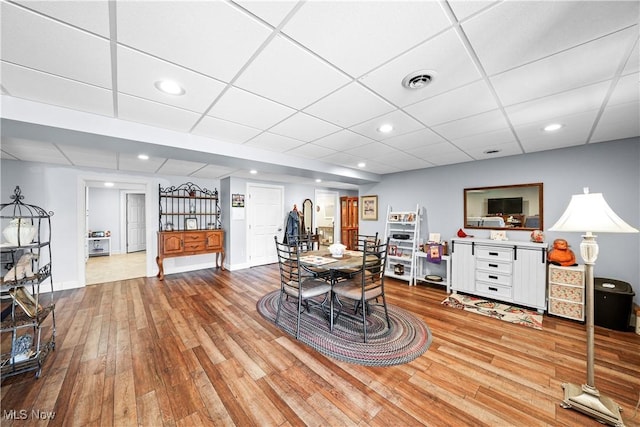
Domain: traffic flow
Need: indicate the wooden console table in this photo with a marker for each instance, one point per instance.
(194, 242)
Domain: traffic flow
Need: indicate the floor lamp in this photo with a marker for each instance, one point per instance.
(590, 213)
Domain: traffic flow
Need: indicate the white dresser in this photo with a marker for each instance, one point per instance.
(509, 271)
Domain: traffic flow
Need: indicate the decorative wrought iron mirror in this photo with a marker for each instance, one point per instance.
(513, 207)
(307, 215)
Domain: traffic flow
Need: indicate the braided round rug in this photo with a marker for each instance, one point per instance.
(408, 338)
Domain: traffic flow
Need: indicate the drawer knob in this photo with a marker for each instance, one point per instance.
(493, 277)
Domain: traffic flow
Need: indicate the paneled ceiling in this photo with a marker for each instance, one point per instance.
(299, 90)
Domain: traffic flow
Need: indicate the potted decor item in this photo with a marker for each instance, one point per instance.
(20, 231)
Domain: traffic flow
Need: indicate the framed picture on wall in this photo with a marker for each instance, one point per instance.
(190, 223)
(369, 208)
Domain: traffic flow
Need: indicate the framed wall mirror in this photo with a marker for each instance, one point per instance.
(307, 215)
(514, 207)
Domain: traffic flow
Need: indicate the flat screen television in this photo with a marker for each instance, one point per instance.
(505, 206)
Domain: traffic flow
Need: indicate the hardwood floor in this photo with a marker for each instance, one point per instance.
(192, 350)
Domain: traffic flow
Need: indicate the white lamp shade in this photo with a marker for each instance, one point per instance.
(591, 213)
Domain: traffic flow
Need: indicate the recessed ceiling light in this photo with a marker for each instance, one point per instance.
(143, 157)
(318, 180)
(553, 127)
(362, 164)
(108, 184)
(253, 171)
(492, 151)
(385, 128)
(169, 87)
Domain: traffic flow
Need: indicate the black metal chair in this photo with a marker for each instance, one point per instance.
(366, 286)
(297, 282)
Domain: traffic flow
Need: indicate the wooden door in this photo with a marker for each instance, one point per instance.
(348, 221)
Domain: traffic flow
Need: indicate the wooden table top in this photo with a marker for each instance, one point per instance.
(324, 260)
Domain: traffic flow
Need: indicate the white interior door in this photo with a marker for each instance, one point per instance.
(265, 219)
(136, 226)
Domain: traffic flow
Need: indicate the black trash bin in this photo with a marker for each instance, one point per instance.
(613, 301)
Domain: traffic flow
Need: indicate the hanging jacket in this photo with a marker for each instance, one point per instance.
(292, 228)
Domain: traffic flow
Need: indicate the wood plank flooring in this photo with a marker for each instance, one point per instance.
(192, 350)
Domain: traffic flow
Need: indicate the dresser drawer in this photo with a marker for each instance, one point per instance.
(194, 236)
(494, 266)
(194, 246)
(494, 290)
(566, 309)
(569, 293)
(493, 277)
(490, 253)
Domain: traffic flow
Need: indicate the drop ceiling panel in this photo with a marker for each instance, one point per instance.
(344, 159)
(213, 172)
(288, 74)
(416, 139)
(155, 114)
(617, 122)
(377, 31)
(33, 151)
(486, 141)
(381, 168)
(350, 105)
(138, 73)
(627, 90)
(304, 127)
(375, 150)
(213, 37)
(440, 154)
(180, 167)
(223, 130)
(447, 106)
(131, 162)
(49, 89)
(311, 151)
(550, 108)
(243, 107)
(587, 64)
(90, 157)
(401, 161)
(272, 142)
(515, 33)
(272, 12)
(575, 132)
(402, 123)
(89, 15)
(343, 140)
(474, 125)
(37, 42)
(465, 8)
(445, 55)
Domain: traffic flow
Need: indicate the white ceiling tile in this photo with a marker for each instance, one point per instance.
(416, 139)
(382, 168)
(583, 65)
(617, 122)
(138, 73)
(213, 37)
(290, 75)
(90, 157)
(49, 89)
(401, 160)
(350, 105)
(240, 106)
(304, 127)
(213, 172)
(575, 132)
(627, 90)
(89, 15)
(515, 32)
(155, 114)
(444, 57)
(465, 8)
(485, 141)
(32, 151)
(487, 152)
(224, 130)
(378, 31)
(344, 159)
(180, 167)
(550, 108)
(440, 154)
(465, 101)
(54, 48)
(272, 12)
(131, 162)
(311, 151)
(375, 150)
(343, 140)
(272, 142)
(633, 63)
(402, 123)
(480, 123)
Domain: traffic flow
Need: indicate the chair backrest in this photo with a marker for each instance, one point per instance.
(361, 239)
(302, 241)
(289, 263)
(373, 261)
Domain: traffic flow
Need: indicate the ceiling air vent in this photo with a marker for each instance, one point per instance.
(418, 79)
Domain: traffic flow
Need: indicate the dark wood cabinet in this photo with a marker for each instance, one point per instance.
(184, 243)
(348, 221)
